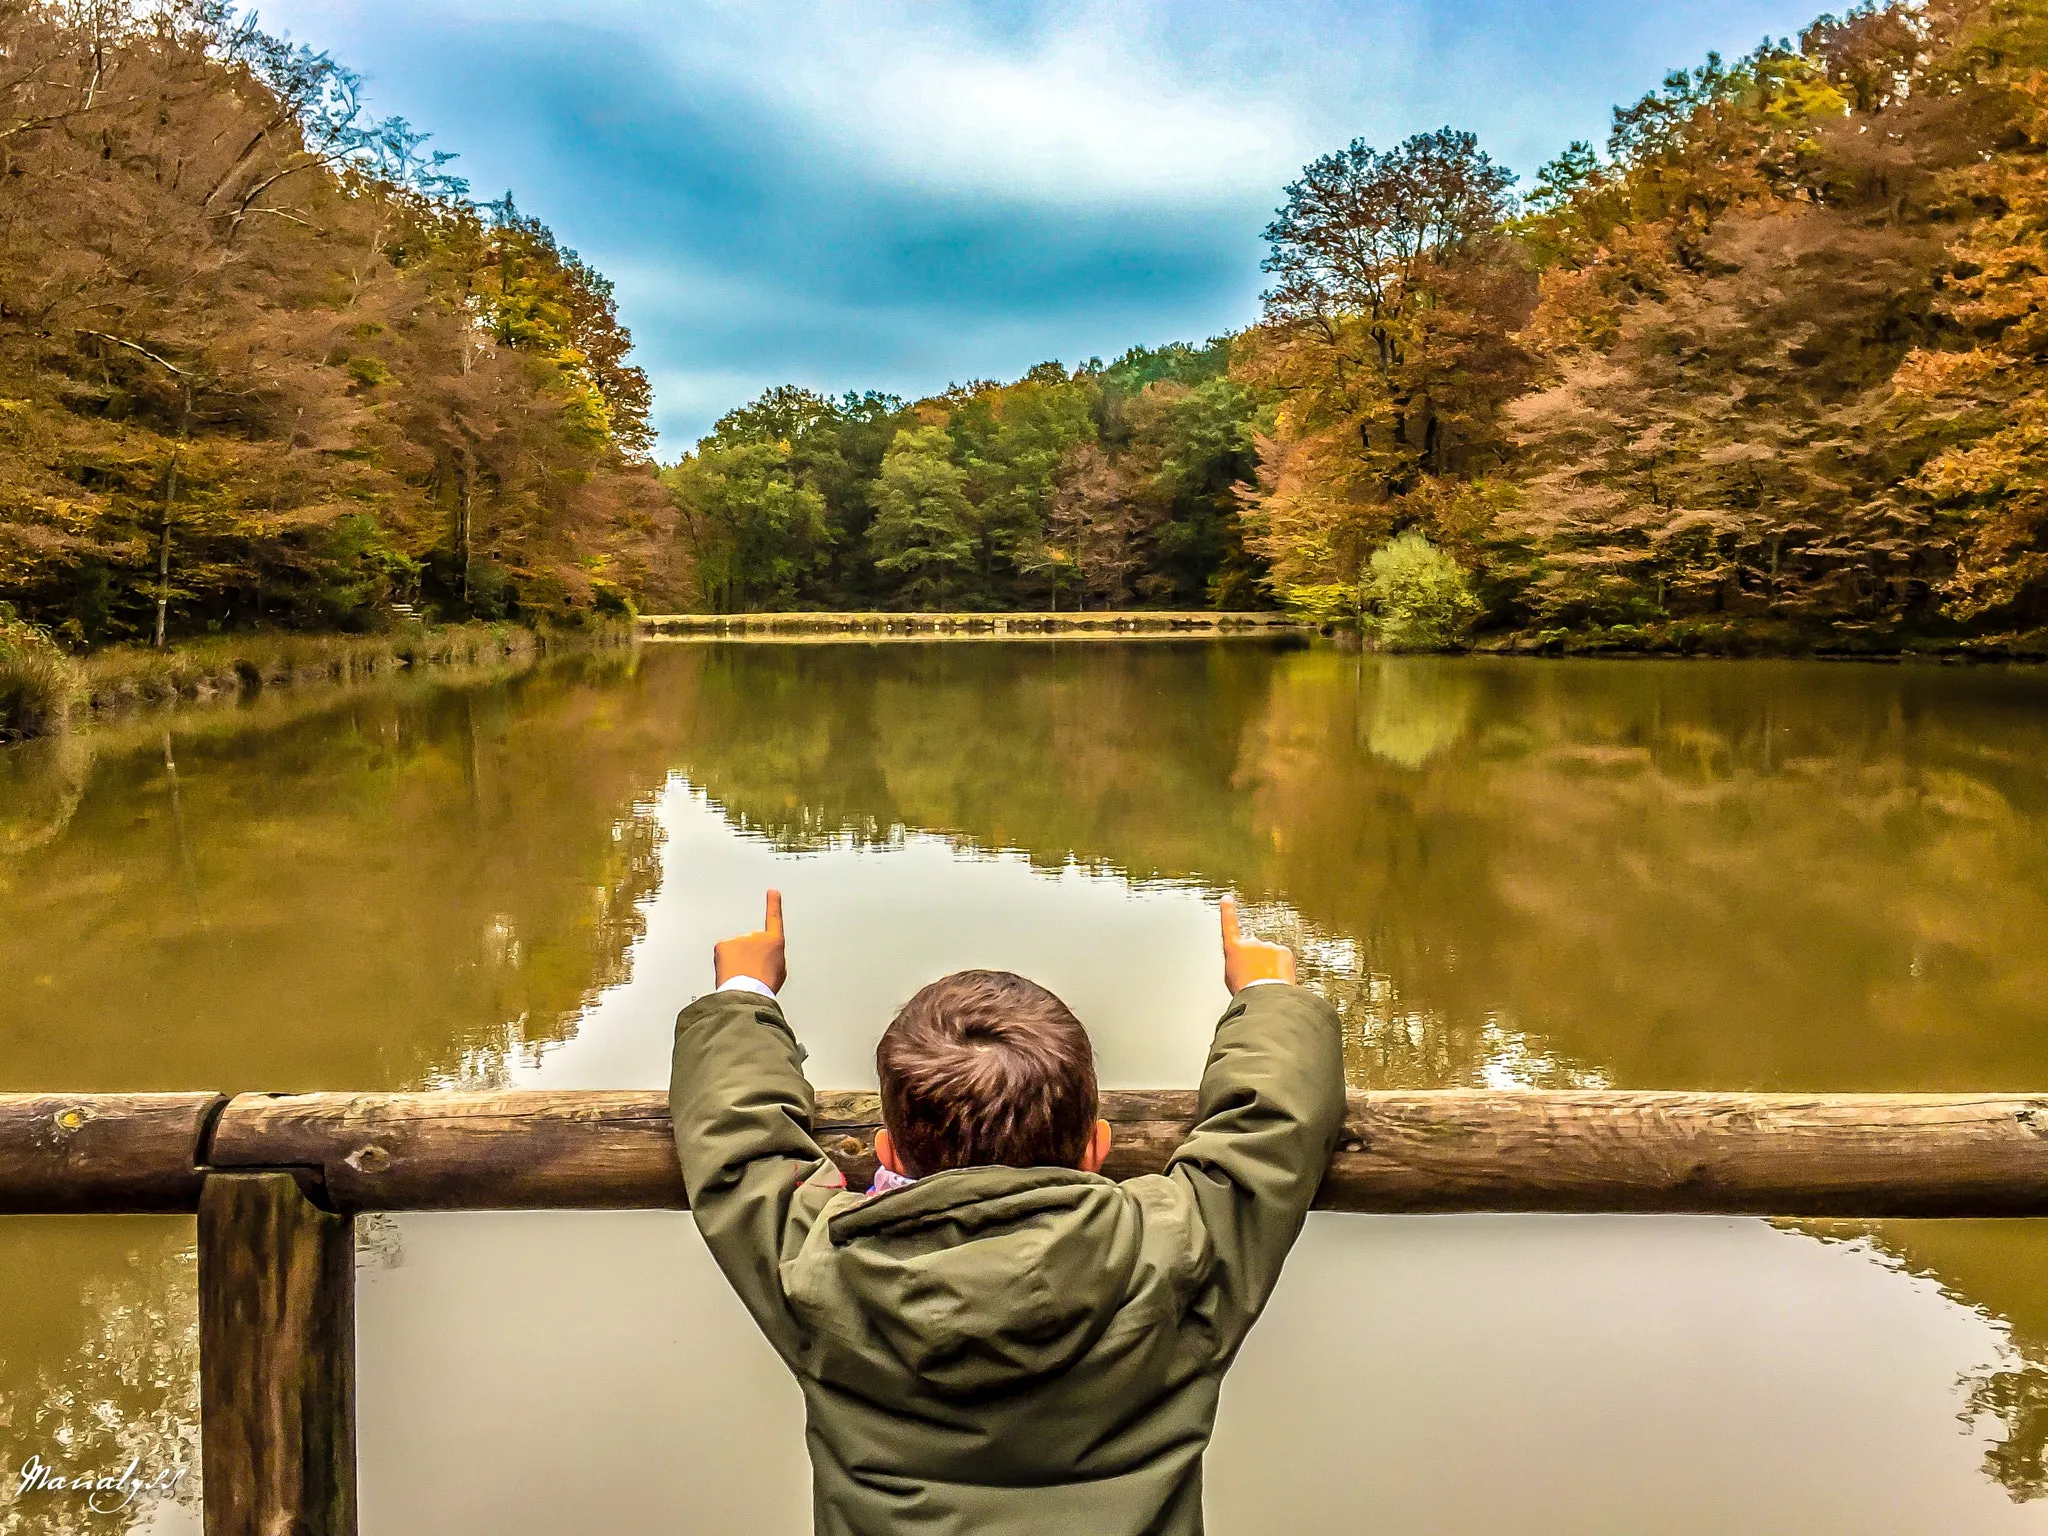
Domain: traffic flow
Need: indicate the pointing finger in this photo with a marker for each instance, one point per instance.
(775, 913)
(1229, 909)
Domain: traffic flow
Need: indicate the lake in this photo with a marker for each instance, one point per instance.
(1736, 875)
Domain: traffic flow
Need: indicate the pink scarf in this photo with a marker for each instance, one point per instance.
(887, 1179)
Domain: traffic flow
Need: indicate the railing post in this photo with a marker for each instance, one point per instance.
(277, 1351)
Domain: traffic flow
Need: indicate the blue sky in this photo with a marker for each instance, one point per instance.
(898, 194)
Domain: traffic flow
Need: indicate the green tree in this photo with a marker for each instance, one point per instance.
(754, 533)
(1012, 441)
(923, 532)
(1418, 597)
(835, 447)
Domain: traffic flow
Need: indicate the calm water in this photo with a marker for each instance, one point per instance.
(1756, 875)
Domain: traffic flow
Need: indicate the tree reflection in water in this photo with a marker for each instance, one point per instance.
(2017, 1397)
(101, 1364)
(1726, 875)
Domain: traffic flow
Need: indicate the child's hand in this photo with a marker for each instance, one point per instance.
(758, 955)
(1248, 960)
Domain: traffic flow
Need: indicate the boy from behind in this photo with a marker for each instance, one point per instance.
(997, 1338)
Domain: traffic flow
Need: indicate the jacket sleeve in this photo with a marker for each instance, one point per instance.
(742, 1113)
(1270, 1111)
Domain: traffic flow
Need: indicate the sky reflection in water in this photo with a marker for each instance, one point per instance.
(1766, 875)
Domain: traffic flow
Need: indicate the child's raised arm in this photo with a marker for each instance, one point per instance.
(1271, 1108)
(742, 1113)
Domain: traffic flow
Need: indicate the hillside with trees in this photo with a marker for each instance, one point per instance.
(1768, 369)
(1105, 487)
(263, 363)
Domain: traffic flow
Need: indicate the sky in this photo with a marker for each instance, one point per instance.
(902, 194)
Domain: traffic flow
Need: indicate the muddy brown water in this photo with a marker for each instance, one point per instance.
(1756, 875)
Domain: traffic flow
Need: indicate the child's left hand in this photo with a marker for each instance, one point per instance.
(757, 954)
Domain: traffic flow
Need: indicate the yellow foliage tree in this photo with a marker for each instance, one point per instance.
(1995, 393)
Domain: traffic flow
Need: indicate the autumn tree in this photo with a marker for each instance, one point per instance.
(1989, 397)
(1101, 520)
(1388, 338)
(1731, 290)
(246, 375)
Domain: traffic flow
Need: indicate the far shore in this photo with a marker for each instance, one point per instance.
(1080, 621)
(1704, 640)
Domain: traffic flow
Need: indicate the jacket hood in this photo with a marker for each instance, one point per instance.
(975, 1281)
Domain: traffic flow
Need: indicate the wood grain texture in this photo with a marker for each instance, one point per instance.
(1869, 1155)
(1431, 1151)
(111, 1152)
(277, 1324)
(462, 1151)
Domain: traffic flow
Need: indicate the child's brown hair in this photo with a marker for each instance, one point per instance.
(986, 1068)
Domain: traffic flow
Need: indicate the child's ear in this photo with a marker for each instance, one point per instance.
(885, 1152)
(1098, 1148)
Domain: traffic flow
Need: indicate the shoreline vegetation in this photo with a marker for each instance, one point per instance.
(44, 692)
(1765, 373)
(1705, 641)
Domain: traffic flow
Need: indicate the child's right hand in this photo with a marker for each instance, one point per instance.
(757, 954)
(1248, 960)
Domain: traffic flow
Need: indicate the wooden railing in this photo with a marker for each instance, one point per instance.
(277, 1179)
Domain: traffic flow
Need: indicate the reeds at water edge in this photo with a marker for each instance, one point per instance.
(36, 688)
(42, 690)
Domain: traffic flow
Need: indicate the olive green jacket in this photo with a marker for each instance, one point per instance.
(1007, 1350)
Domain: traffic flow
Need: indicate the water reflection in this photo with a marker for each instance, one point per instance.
(1420, 708)
(1766, 875)
(2002, 1268)
(100, 1364)
(399, 887)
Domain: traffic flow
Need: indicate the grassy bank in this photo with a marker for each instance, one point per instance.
(42, 690)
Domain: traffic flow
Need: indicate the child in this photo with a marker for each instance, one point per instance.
(997, 1338)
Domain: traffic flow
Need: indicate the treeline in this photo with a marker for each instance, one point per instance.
(1772, 361)
(1772, 364)
(263, 362)
(1101, 487)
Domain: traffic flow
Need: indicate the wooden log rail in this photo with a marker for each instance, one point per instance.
(1868, 1155)
(276, 1179)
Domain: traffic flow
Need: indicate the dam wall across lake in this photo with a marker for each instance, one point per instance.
(1112, 622)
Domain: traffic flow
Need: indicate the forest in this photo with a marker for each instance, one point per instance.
(1769, 369)
(263, 363)
(1765, 370)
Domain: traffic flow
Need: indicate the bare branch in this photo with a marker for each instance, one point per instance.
(31, 124)
(134, 346)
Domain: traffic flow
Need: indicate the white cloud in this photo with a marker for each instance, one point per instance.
(1090, 110)
(1092, 101)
